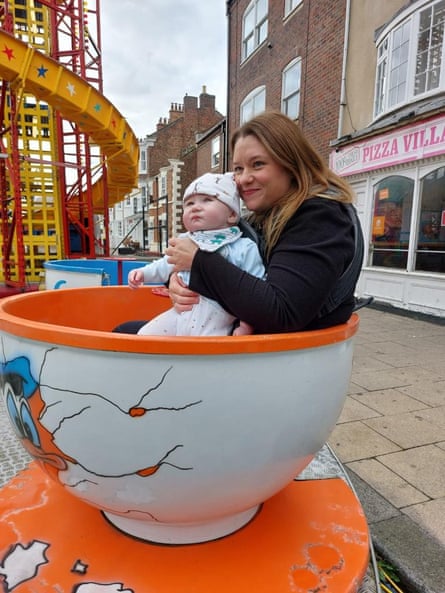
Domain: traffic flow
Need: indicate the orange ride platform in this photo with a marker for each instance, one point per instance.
(311, 537)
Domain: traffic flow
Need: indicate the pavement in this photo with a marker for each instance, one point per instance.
(390, 440)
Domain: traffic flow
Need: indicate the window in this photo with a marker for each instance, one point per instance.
(290, 102)
(163, 185)
(144, 195)
(393, 198)
(254, 103)
(143, 160)
(216, 151)
(430, 251)
(429, 48)
(410, 58)
(290, 5)
(254, 26)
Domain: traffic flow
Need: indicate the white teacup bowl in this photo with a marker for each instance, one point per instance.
(177, 440)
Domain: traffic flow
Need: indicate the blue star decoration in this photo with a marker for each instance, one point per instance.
(41, 72)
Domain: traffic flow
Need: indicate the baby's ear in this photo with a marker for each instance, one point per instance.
(233, 217)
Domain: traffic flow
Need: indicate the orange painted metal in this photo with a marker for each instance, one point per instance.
(79, 317)
(311, 537)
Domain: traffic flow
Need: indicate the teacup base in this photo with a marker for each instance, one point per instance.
(182, 533)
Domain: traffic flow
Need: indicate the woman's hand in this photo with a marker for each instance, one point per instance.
(182, 297)
(180, 253)
(135, 278)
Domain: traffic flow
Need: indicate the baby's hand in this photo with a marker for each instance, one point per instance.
(135, 278)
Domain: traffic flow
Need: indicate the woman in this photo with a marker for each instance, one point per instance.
(299, 208)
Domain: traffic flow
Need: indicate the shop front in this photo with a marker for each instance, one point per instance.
(399, 181)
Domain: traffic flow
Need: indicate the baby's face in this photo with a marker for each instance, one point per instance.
(206, 213)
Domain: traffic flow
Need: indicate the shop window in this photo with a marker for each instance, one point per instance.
(430, 252)
(253, 104)
(393, 198)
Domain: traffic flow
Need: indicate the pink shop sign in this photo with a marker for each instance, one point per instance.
(410, 143)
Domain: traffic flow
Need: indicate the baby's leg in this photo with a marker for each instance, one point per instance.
(164, 324)
(207, 318)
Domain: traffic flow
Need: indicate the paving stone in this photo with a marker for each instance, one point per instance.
(431, 515)
(422, 467)
(387, 379)
(389, 401)
(353, 388)
(355, 440)
(429, 392)
(435, 416)
(407, 430)
(366, 363)
(375, 506)
(391, 486)
(355, 410)
(388, 348)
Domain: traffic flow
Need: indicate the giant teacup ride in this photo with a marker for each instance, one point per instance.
(175, 440)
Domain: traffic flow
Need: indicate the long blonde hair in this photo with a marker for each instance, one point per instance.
(310, 176)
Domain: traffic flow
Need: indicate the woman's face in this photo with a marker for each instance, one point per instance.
(261, 181)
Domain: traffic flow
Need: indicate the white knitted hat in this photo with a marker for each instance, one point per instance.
(220, 185)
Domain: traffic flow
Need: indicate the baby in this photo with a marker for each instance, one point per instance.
(211, 212)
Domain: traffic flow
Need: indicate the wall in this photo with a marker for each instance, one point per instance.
(361, 60)
(314, 32)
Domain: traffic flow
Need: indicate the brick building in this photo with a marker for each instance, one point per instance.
(287, 56)
(184, 145)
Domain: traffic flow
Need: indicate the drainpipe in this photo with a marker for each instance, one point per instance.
(343, 72)
(226, 127)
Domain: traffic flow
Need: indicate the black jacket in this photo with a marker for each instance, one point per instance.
(315, 248)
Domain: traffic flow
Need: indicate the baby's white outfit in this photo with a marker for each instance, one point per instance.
(207, 318)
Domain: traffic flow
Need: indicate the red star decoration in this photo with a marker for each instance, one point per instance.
(9, 53)
(113, 123)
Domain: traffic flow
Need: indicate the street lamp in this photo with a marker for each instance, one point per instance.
(143, 224)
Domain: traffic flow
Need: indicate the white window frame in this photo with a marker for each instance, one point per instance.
(255, 26)
(398, 59)
(143, 160)
(291, 5)
(163, 191)
(253, 104)
(215, 152)
(289, 93)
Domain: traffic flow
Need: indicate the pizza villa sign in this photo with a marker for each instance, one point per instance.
(407, 144)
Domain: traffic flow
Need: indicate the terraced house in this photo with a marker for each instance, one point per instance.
(366, 81)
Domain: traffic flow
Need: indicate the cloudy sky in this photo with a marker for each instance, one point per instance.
(156, 51)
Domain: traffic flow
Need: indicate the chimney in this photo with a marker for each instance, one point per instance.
(206, 101)
(176, 111)
(190, 103)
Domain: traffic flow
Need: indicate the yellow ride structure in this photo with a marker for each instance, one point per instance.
(66, 153)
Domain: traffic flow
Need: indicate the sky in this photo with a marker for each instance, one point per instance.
(154, 52)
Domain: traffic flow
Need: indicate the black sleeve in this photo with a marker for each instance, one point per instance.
(313, 251)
